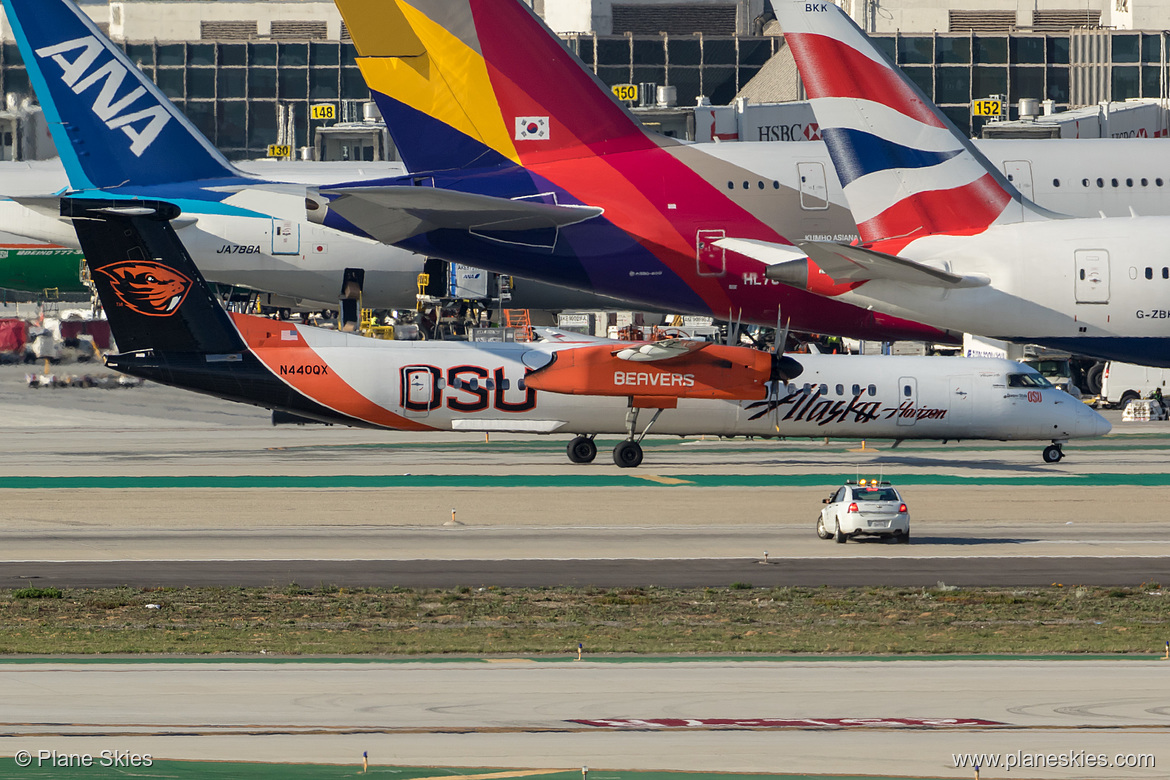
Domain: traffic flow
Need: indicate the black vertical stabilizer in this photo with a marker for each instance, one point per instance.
(154, 296)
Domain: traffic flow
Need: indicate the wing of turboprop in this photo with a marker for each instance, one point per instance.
(843, 263)
(392, 214)
(660, 350)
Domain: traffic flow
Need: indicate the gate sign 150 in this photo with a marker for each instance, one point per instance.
(626, 92)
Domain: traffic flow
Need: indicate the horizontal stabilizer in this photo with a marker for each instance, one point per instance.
(660, 350)
(854, 264)
(843, 264)
(393, 214)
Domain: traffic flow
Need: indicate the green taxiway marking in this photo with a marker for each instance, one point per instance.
(553, 659)
(214, 770)
(644, 478)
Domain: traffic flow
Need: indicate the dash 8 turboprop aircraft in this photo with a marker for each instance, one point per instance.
(946, 239)
(172, 330)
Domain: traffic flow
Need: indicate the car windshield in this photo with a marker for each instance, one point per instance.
(874, 494)
(1027, 380)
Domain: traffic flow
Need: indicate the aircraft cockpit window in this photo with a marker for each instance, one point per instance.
(1028, 380)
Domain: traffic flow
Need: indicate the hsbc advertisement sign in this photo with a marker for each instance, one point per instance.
(746, 121)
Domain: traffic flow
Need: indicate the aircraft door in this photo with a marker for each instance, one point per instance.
(814, 192)
(1092, 276)
(1019, 173)
(961, 399)
(907, 400)
(286, 237)
(420, 391)
(710, 260)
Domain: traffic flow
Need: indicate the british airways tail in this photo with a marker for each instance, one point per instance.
(907, 171)
(110, 123)
(482, 83)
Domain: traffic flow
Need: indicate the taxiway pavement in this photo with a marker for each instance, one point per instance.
(525, 714)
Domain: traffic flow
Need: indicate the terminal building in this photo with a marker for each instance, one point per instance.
(247, 72)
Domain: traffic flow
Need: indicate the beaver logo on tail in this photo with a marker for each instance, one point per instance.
(148, 288)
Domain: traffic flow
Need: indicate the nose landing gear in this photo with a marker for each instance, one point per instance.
(1053, 452)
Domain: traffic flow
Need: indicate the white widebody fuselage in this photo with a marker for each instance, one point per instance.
(272, 246)
(1093, 286)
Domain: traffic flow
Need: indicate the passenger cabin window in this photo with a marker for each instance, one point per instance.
(857, 389)
(1158, 182)
(840, 389)
(1149, 272)
(1129, 182)
(1165, 272)
(1145, 182)
(907, 391)
(873, 390)
(1084, 182)
(1056, 182)
(1100, 182)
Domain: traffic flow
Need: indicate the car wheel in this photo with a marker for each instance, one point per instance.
(1127, 396)
(821, 532)
(839, 537)
(904, 538)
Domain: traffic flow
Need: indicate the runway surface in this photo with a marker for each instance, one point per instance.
(528, 714)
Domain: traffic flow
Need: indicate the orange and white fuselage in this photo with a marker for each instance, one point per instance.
(468, 386)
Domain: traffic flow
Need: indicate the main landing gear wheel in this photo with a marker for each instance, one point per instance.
(628, 454)
(821, 532)
(1053, 453)
(582, 450)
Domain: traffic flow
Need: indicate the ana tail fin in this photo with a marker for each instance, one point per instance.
(478, 83)
(110, 123)
(907, 171)
(153, 295)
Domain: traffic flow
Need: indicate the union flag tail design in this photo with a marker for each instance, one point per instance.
(480, 83)
(907, 171)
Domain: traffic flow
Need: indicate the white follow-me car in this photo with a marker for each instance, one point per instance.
(864, 507)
